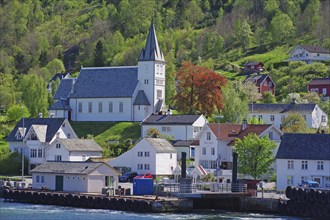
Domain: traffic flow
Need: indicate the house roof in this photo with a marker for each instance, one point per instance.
(253, 63)
(170, 119)
(161, 145)
(63, 90)
(282, 108)
(229, 132)
(53, 125)
(141, 99)
(151, 52)
(60, 105)
(68, 167)
(315, 49)
(80, 144)
(184, 143)
(304, 146)
(257, 79)
(320, 81)
(59, 76)
(105, 82)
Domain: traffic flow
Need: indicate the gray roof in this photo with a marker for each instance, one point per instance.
(80, 144)
(161, 145)
(184, 143)
(151, 52)
(170, 119)
(105, 82)
(282, 108)
(53, 125)
(141, 99)
(66, 167)
(40, 131)
(159, 105)
(315, 49)
(60, 105)
(304, 146)
(63, 90)
(257, 79)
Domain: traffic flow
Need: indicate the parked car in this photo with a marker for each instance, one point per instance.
(127, 177)
(310, 184)
(147, 175)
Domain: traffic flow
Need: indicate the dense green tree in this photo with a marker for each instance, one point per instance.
(34, 94)
(268, 97)
(16, 112)
(8, 92)
(281, 27)
(244, 34)
(255, 155)
(294, 123)
(55, 66)
(99, 54)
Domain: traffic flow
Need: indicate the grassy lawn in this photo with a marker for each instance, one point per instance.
(105, 131)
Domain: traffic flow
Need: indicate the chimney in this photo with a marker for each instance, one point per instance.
(72, 86)
(183, 164)
(52, 115)
(244, 125)
(294, 101)
(40, 115)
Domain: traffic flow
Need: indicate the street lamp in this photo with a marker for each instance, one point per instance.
(23, 136)
(218, 117)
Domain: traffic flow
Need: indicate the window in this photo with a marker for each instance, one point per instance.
(212, 151)
(100, 107)
(259, 117)
(38, 179)
(304, 165)
(203, 150)
(33, 153)
(147, 166)
(304, 116)
(147, 154)
(121, 106)
(108, 181)
(272, 118)
(290, 165)
(208, 136)
(159, 94)
(170, 156)
(39, 153)
(316, 90)
(90, 107)
(80, 107)
(42, 179)
(319, 165)
(58, 158)
(324, 91)
(270, 135)
(110, 107)
(323, 118)
(58, 146)
(140, 154)
(290, 180)
(19, 136)
(68, 136)
(140, 166)
(146, 81)
(164, 129)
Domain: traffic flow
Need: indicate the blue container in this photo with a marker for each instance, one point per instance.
(143, 186)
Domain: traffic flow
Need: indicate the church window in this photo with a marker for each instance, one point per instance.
(121, 107)
(110, 107)
(146, 81)
(90, 107)
(100, 107)
(159, 94)
(79, 107)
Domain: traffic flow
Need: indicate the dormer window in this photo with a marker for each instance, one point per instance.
(19, 136)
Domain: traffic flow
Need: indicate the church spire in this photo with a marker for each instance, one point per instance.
(151, 52)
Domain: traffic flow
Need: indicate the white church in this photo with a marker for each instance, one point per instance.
(121, 93)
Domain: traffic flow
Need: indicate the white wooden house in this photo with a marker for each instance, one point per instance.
(72, 150)
(309, 54)
(215, 149)
(303, 157)
(38, 134)
(180, 127)
(151, 155)
(120, 93)
(274, 114)
(86, 177)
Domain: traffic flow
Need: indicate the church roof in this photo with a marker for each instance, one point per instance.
(64, 88)
(141, 99)
(152, 52)
(61, 105)
(106, 82)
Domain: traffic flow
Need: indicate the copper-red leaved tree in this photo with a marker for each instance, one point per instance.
(198, 89)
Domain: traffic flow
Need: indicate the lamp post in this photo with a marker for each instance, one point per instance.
(218, 117)
(23, 136)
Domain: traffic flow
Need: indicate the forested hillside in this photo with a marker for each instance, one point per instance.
(39, 38)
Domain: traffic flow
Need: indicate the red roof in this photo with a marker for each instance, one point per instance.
(230, 132)
(320, 81)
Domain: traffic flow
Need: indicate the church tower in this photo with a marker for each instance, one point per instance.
(151, 74)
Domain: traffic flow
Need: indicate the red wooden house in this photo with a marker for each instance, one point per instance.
(320, 85)
(263, 82)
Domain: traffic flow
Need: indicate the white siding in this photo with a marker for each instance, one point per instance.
(165, 164)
